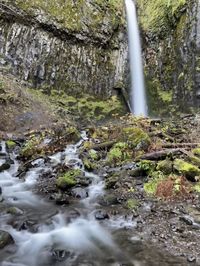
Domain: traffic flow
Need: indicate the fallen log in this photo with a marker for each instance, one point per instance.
(103, 145)
(160, 155)
(181, 145)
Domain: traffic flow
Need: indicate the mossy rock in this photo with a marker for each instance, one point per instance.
(196, 187)
(189, 170)
(111, 181)
(156, 16)
(68, 179)
(30, 148)
(10, 144)
(73, 134)
(196, 152)
(132, 204)
(89, 165)
(93, 155)
(165, 166)
(136, 137)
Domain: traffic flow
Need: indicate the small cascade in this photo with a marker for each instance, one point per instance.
(138, 95)
(56, 238)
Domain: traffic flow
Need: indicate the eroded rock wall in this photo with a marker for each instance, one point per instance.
(84, 49)
(171, 45)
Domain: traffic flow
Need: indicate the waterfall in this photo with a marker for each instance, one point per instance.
(138, 96)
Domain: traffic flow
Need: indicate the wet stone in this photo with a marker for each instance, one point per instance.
(101, 215)
(29, 225)
(72, 215)
(60, 255)
(80, 193)
(15, 211)
(4, 166)
(5, 239)
(186, 220)
(191, 258)
(60, 199)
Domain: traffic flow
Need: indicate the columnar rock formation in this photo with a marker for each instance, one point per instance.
(75, 46)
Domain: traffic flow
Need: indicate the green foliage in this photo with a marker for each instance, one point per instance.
(147, 166)
(151, 186)
(89, 165)
(118, 153)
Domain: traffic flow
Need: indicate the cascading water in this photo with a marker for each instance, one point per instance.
(138, 96)
(57, 239)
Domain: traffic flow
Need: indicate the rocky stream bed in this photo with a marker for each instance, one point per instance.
(125, 193)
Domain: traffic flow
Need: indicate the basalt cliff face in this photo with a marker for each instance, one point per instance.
(171, 45)
(81, 46)
(66, 45)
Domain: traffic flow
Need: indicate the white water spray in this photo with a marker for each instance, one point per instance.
(138, 97)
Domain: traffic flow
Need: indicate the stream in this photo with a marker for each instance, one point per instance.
(47, 234)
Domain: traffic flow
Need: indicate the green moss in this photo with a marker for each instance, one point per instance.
(196, 152)
(111, 181)
(157, 16)
(69, 13)
(197, 187)
(164, 98)
(93, 155)
(10, 144)
(68, 180)
(136, 137)
(188, 170)
(30, 148)
(132, 204)
(89, 165)
(165, 166)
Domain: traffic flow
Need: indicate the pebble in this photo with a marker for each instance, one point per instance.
(191, 258)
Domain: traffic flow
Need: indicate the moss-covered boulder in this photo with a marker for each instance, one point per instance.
(196, 152)
(68, 179)
(189, 170)
(165, 166)
(132, 204)
(136, 137)
(10, 144)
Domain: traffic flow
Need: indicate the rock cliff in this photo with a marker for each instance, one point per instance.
(171, 45)
(68, 45)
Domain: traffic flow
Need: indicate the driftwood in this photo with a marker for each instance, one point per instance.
(181, 145)
(161, 135)
(103, 145)
(160, 155)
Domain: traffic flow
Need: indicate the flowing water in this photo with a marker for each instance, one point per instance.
(46, 234)
(55, 237)
(138, 96)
